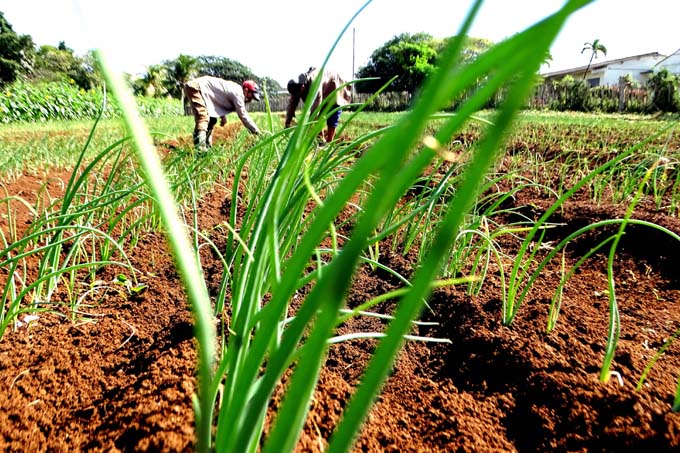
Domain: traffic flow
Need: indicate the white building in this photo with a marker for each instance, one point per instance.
(640, 68)
(671, 62)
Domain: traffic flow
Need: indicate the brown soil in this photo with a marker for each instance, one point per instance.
(121, 378)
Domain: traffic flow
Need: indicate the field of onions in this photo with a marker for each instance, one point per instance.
(468, 281)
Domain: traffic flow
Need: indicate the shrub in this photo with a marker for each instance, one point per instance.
(664, 87)
(572, 95)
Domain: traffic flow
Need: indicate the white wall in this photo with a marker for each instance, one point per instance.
(640, 69)
(671, 63)
(636, 68)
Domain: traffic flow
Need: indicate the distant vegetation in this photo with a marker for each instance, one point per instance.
(41, 83)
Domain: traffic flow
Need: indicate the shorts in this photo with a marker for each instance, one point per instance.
(334, 119)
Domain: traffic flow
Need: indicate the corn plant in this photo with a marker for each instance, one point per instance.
(22, 101)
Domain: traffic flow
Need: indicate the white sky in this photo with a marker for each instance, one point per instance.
(280, 39)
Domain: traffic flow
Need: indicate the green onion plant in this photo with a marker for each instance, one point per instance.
(291, 208)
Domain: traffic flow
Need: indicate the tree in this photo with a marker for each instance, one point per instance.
(88, 73)
(472, 48)
(547, 59)
(664, 86)
(412, 58)
(152, 82)
(271, 85)
(52, 63)
(225, 68)
(16, 52)
(60, 64)
(178, 72)
(185, 67)
(229, 69)
(594, 47)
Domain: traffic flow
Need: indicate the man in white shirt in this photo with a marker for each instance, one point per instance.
(212, 98)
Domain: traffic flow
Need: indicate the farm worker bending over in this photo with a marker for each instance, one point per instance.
(212, 97)
(330, 82)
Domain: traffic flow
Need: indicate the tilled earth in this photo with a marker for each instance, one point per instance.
(121, 377)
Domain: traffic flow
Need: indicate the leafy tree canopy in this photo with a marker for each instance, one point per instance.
(152, 83)
(594, 48)
(473, 47)
(19, 57)
(53, 64)
(229, 69)
(225, 68)
(16, 52)
(411, 58)
(176, 73)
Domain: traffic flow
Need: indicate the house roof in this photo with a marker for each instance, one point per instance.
(677, 52)
(601, 65)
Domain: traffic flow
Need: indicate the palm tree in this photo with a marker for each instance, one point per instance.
(180, 71)
(594, 47)
(152, 80)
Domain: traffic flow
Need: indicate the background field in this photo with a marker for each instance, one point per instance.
(111, 363)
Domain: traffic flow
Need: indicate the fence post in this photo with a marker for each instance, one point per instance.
(622, 89)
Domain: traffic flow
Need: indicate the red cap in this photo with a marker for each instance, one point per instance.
(252, 86)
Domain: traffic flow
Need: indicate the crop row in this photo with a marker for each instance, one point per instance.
(424, 181)
(65, 101)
